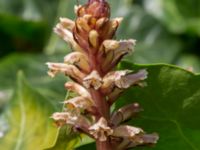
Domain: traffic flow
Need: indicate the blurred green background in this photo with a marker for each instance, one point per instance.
(167, 31)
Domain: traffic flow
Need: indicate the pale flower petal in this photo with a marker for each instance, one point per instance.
(124, 113)
(144, 139)
(70, 118)
(67, 36)
(78, 59)
(76, 8)
(67, 23)
(125, 47)
(78, 103)
(110, 45)
(126, 131)
(101, 130)
(77, 88)
(69, 70)
(119, 46)
(93, 80)
(113, 25)
(116, 48)
(118, 20)
(138, 140)
(132, 79)
(122, 79)
(62, 118)
(110, 80)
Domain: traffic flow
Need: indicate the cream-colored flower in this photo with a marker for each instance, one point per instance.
(93, 80)
(114, 51)
(122, 79)
(125, 47)
(112, 27)
(122, 46)
(71, 118)
(77, 88)
(101, 130)
(124, 113)
(117, 20)
(127, 131)
(110, 45)
(67, 36)
(143, 139)
(67, 23)
(110, 80)
(132, 79)
(78, 103)
(78, 59)
(67, 69)
(62, 118)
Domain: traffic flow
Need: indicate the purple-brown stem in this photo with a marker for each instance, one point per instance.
(106, 145)
(100, 102)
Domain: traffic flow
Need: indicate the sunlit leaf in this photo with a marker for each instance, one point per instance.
(65, 139)
(27, 120)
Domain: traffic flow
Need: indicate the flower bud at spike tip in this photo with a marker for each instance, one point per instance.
(96, 83)
(93, 38)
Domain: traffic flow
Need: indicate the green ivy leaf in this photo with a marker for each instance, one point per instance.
(171, 103)
(26, 120)
(171, 106)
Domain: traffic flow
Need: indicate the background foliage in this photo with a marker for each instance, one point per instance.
(167, 32)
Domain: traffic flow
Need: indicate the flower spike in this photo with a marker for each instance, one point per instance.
(96, 83)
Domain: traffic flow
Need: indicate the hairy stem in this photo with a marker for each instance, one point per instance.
(101, 104)
(103, 145)
(99, 100)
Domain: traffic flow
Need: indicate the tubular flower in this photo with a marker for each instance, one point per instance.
(95, 80)
(79, 102)
(125, 113)
(101, 130)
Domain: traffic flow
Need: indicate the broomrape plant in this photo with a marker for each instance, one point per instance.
(97, 84)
